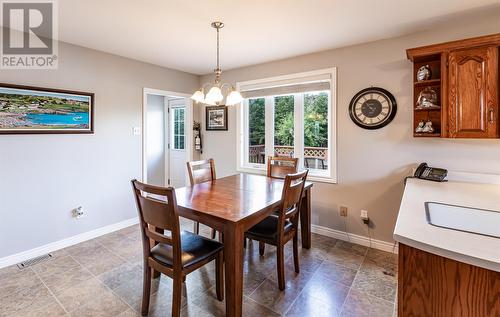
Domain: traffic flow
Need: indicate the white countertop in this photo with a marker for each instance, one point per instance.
(413, 229)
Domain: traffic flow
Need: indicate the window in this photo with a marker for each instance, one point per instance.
(316, 130)
(178, 135)
(256, 130)
(289, 116)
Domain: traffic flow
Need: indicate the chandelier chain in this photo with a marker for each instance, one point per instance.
(218, 58)
(218, 70)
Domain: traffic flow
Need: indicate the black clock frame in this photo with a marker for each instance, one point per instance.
(376, 90)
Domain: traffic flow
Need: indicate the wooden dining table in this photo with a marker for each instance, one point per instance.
(232, 205)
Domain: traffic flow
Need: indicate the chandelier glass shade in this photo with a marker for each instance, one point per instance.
(215, 93)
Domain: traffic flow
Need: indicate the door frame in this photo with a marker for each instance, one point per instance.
(189, 125)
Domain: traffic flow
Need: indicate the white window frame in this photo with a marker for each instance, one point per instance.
(330, 175)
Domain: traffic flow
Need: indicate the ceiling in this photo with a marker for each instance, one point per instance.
(177, 33)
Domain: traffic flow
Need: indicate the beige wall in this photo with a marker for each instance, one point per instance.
(372, 164)
(43, 177)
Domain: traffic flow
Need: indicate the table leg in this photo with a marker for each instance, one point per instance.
(233, 256)
(305, 219)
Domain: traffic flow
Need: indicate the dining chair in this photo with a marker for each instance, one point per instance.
(199, 172)
(175, 254)
(279, 167)
(279, 229)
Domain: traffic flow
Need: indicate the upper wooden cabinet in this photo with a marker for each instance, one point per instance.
(465, 78)
(473, 93)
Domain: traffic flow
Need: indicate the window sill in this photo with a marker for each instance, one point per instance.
(252, 170)
(262, 171)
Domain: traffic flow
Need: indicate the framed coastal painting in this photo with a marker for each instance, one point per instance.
(25, 110)
(216, 118)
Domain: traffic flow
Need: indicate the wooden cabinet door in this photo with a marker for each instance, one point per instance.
(473, 93)
(431, 285)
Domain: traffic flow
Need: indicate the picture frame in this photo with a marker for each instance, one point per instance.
(38, 110)
(216, 118)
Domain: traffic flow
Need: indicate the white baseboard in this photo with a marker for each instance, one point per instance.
(64, 243)
(354, 238)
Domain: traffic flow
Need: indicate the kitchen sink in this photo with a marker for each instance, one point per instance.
(468, 219)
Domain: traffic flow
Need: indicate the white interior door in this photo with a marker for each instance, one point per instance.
(178, 143)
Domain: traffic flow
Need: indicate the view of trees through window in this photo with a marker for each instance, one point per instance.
(256, 130)
(316, 120)
(283, 120)
(315, 128)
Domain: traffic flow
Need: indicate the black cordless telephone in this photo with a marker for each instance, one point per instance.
(430, 173)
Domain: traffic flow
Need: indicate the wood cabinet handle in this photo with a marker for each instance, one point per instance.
(492, 115)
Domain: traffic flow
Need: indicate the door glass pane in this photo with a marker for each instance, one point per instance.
(181, 128)
(316, 130)
(283, 126)
(178, 125)
(181, 142)
(256, 130)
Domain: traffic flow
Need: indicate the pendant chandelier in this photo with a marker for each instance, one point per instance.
(215, 95)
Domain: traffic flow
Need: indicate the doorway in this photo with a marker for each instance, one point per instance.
(167, 132)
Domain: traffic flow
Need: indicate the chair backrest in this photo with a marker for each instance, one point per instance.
(157, 209)
(279, 167)
(291, 198)
(201, 171)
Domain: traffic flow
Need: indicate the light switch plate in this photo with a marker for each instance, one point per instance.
(136, 130)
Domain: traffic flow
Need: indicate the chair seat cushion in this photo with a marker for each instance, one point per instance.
(268, 228)
(195, 249)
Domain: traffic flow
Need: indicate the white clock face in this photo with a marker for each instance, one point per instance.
(372, 109)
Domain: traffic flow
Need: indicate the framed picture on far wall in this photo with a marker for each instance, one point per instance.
(30, 110)
(216, 119)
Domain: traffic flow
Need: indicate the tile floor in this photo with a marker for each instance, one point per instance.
(103, 277)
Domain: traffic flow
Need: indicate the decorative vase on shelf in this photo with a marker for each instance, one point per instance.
(427, 99)
(424, 73)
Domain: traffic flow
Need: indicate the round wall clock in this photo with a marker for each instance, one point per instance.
(372, 108)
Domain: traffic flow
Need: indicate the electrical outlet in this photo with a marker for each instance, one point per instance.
(343, 211)
(78, 212)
